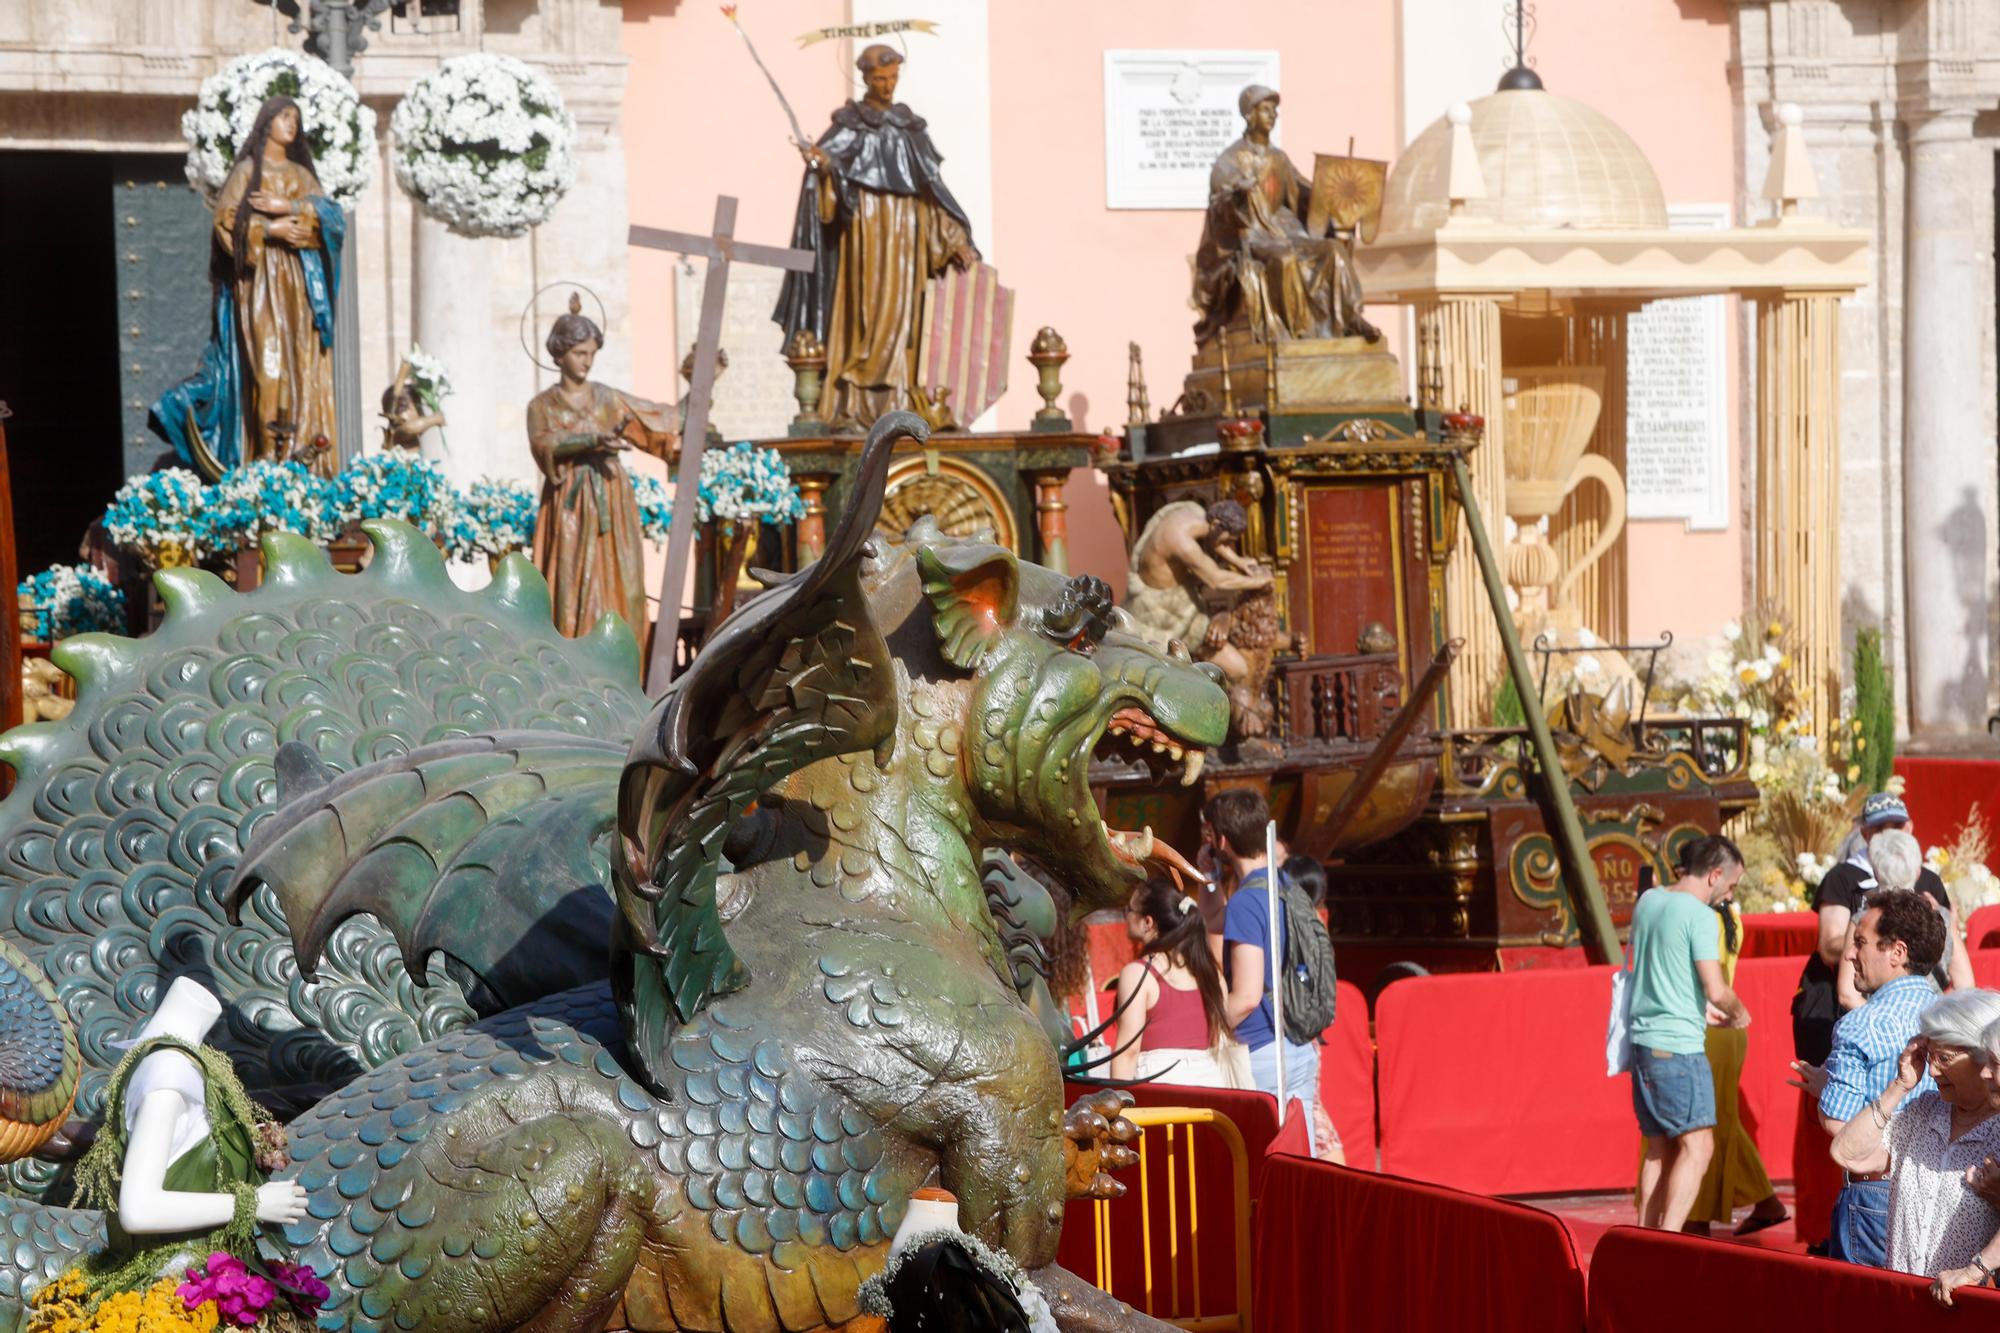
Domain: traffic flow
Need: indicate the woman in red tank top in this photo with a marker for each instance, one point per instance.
(1170, 999)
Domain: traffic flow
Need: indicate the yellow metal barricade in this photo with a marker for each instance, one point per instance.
(1179, 1123)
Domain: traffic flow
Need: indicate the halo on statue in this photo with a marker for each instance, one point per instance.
(528, 311)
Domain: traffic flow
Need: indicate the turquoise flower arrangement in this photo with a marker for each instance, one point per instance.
(493, 518)
(72, 599)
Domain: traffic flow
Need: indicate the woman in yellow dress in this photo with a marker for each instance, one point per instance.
(265, 389)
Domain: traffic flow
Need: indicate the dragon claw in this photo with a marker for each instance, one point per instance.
(1096, 1139)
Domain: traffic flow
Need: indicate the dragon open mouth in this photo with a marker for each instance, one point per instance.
(1133, 735)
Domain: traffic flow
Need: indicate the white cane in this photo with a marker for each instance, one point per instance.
(1277, 962)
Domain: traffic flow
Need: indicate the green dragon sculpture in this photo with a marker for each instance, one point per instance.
(651, 1035)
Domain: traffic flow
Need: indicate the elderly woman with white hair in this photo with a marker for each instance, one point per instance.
(1937, 1223)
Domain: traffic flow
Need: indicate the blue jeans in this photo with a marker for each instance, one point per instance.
(1301, 1076)
(1672, 1094)
(1861, 1224)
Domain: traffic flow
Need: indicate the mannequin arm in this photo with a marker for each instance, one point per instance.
(144, 1205)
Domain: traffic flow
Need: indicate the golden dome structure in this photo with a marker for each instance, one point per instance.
(1547, 161)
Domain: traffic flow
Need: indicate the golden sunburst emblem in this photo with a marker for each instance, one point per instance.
(1347, 192)
(962, 499)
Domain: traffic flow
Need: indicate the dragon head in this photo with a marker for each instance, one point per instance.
(1060, 677)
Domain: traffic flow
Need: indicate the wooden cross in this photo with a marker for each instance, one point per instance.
(719, 249)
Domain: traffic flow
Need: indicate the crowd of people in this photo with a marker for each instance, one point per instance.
(1897, 1051)
(1196, 1006)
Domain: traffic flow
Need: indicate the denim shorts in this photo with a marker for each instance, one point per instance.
(1672, 1094)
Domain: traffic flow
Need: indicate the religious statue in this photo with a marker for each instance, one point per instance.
(403, 419)
(875, 212)
(587, 537)
(1189, 584)
(265, 388)
(1258, 266)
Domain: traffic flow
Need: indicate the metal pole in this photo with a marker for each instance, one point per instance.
(1277, 962)
(1579, 871)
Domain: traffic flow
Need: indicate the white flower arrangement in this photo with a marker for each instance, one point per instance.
(485, 145)
(746, 482)
(340, 128)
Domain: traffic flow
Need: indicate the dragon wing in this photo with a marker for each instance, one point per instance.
(481, 848)
(800, 674)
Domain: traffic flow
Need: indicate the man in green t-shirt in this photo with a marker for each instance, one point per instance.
(1676, 990)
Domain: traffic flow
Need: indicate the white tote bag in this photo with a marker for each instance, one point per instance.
(1618, 1029)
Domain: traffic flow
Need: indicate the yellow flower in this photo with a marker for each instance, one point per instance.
(1860, 742)
(1774, 629)
(1853, 772)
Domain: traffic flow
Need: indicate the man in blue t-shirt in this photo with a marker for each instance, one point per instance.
(1233, 824)
(1675, 990)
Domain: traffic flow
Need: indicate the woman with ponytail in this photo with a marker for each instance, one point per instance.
(1172, 1021)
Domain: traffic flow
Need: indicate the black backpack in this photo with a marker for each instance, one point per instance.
(1308, 974)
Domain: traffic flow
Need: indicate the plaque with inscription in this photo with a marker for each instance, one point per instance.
(1167, 116)
(1349, 556)
(1677, 400)
(753, 398)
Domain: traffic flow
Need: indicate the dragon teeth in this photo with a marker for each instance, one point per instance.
(1195, 759)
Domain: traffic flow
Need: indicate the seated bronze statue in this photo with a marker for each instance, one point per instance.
(1258, 267)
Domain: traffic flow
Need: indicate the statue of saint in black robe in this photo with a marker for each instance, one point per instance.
(875, 211)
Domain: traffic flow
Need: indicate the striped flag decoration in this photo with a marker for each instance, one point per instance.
(968, 327)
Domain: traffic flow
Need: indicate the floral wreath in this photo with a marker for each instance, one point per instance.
(338, 125)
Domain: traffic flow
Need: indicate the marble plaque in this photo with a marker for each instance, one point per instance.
(1677, 400)
(1168, 115)
(753, 398)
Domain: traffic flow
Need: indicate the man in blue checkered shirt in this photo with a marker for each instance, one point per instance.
(1898, 938)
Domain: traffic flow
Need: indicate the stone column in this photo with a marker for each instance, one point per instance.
(450, 319)
(1458, 351)
(1949, 484)
(1796, 573)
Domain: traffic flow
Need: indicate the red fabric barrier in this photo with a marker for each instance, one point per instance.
(1657, 1282)
(1780, 934)
(1986, 967)
(1942, 792)
(1347, 1077)
(1982, 928)
(1769, 1108)
(1816, 1181)
(1495, 1083)
(1255, 1116)
(1342, 1249)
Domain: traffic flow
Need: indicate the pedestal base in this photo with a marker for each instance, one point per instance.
(1310, 373)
